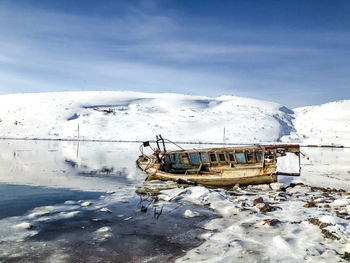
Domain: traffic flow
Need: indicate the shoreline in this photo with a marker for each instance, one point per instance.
(178, 142)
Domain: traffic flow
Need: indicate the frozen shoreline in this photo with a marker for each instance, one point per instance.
(270, 223)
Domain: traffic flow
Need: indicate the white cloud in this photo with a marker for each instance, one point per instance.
(48, 51)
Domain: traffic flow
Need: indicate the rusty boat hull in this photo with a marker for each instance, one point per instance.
(219, 166)
(243, 176)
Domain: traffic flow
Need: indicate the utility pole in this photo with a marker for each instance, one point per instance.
(223, 138)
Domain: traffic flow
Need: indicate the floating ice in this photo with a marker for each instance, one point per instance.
(86, 203)
(41, 211)
(103, 234)
(69, 214)
(189, 213)
(24, 225)
(170, 194)
(105, 210)
(104, 229)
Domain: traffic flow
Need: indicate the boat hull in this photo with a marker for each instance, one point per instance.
(228, 177)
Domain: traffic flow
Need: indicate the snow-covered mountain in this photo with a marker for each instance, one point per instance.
(323, 124)
(125, 115)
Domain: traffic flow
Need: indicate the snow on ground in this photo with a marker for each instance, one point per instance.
(270, 224)
(124, 115)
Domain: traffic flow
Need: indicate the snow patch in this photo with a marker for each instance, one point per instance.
(24, 225)
(190, 213)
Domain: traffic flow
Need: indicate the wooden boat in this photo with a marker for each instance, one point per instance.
(219, 166)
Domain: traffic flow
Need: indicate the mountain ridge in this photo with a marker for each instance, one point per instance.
(128, 115)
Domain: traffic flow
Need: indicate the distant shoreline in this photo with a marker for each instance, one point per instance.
(178, 142)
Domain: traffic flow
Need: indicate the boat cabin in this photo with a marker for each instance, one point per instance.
(217, 158)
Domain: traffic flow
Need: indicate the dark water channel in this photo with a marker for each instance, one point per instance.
(76, 202)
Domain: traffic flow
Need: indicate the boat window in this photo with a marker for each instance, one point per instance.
(212, 157)
(250, 157)
(222, 157)
(204, 157)
(174, 158)
(269, 156)
(258, 155)
(184, 158)
(240, 157)
(231, 157)
(194, 158)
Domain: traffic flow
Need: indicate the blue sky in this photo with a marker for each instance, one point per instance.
(292, 52)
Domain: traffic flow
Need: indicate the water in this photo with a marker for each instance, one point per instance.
(325, 167)
(58, 190)
(15, 200)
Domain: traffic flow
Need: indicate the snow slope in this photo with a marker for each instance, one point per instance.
(324, 124)
(140, 116)
(124, 115)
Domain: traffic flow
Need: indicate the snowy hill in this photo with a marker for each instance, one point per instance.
(127, 115)
(324, 124)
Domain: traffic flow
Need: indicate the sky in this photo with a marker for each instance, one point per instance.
(296, 53)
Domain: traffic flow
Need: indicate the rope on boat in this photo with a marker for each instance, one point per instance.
(175, 144)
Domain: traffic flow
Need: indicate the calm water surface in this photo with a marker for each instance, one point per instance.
(59, 189)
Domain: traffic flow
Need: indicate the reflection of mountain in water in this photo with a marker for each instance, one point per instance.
(88, 166)
(96, 166)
